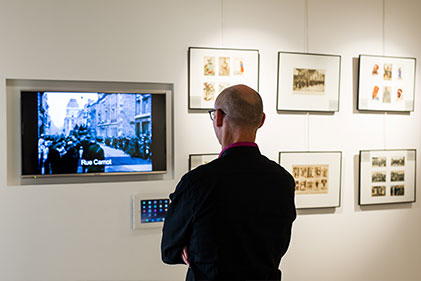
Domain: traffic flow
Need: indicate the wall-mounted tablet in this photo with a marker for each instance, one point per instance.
(149, 211)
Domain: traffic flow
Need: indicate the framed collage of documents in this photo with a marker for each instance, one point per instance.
(317, 177)
(211, 70)
(387, 176)
(308, 82)
(386, 83)
(195, 160)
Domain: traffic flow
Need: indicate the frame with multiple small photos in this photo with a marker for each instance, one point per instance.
(195, 160)
(317, 177)
(211, 70)
(308, 82)
(386, 83)
(387, 176)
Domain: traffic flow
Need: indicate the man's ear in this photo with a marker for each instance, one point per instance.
(219, 117)
(263, 120)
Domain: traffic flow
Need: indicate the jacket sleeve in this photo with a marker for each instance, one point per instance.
(178, 223)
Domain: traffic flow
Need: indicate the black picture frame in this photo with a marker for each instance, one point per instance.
(406, 193)
(322, 99)
(210, 156)
(318, 198)
(369, 85)
(195, 80)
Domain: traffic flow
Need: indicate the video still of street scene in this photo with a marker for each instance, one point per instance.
(94, 132)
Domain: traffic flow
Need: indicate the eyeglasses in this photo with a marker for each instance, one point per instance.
(212, 113)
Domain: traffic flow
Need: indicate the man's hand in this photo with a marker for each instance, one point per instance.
(185, 256)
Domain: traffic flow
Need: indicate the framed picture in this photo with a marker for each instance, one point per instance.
(308, 82)
(317, 177)
(195, 160)
(212, 70)
(386, 83)
(387, 176)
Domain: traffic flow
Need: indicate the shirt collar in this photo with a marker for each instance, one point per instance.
(237, 144)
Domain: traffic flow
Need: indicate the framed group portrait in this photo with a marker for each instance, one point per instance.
(308, 82)
(211, 70)
(317, 177)
(387, 176)
(195, 160)
(386, 83)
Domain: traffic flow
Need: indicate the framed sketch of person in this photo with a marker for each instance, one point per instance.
(211, 70)
(387, 176)
(386, 83)
(195, 160)
(317, 177)
(308, 82)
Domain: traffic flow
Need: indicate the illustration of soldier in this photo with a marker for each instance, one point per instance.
(224, 66)
(400, 73)
(209, 66)
(387, 75)
(386, 94)
(375, 71)
(222, 86)
(375, 93)
(399, 95)
(208, 91)
(238, 66)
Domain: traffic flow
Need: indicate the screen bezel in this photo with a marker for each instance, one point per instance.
(158, 134)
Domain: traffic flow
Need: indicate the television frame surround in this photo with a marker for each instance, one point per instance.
(15, 86)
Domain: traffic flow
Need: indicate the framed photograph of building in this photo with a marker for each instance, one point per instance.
(195, 160)
(387, 176)
(386, 83)
(211, 70)
(308, 82)
(317, 177)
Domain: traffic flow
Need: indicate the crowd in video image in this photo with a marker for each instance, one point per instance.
(94, 132)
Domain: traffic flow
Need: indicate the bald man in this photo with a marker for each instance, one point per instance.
(231, 219)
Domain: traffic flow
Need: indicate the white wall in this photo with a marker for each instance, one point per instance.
(83, 231)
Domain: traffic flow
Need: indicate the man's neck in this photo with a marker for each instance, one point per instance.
(231, 137)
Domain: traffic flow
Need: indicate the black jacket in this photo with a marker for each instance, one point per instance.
(235, 215)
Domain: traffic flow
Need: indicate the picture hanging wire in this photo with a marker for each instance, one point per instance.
(383, 25)
(222, 24)
(384, 130)
(306, 50)
(308, 132)
(306, 33)
(383, 53)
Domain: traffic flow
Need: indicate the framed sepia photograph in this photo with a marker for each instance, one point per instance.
(387, 176)
(386, 83)
(211, 70)
(317, 177)
(308, 82)
(195, 160)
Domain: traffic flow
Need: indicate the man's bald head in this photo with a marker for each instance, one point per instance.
(242, 105)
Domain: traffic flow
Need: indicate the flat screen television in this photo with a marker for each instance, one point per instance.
(92, 133)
